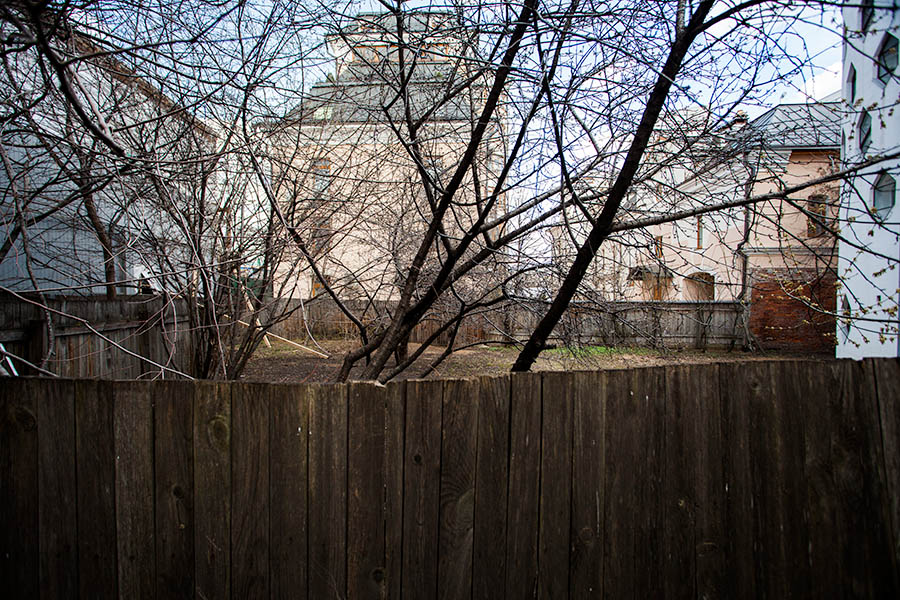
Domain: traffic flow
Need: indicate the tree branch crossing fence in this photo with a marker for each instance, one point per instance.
(763, 479)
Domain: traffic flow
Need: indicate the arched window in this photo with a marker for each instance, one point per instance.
(883, 194)
(700, 287)
(851, 83)
(865, 131)
(887, 58)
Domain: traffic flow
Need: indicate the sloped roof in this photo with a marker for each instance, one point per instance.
(815, 125)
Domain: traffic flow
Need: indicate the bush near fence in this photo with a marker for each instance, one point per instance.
(762, 479)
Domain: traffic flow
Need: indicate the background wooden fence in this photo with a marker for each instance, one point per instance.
(754, 480)
(146, 326)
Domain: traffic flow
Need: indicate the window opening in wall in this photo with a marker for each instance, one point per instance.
(887, 58)
(699, 233)
(883, 195)
(865, 131)
(817, 213)
(658, 246)
(700, 287)
(866, 14)
(845, 320)
(851, 84)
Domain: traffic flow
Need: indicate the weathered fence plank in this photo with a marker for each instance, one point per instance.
(366, 463)
(288, 440)
(681, 480)
(887, 384)
(174, 477)
(710, 526)
(96, 475)
(588, 500)
(250, 491)
(421, 488)
(133, 414)
(212, 490)
(524, 485)
(327, 525)
(491, 476)
(556, 486)
(57, 488)
(19, 546)
(457, 504)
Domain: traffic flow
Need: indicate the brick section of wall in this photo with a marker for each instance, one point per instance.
(784, 315)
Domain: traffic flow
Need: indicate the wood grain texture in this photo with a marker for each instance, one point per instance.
(96, 473)
(524, 485)
(327, 491)
(366, 492)
(556, 485)
(212, 490)
(19, 545)
(250, 491)
(57, 487)
(173, 468)
(135, 530)
(288, 439)
(711, 532)
(681, 480)
(740, 387)
(588, 500)
(421, 488)
(887, 385)
(457, 508)
(394, 442)
(491, 477)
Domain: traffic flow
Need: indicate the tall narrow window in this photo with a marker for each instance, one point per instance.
(883, 195)
(658, 246)
(817, 213)
(865, 131)
(866, 14)
(699, 233)
(851, 84)
(887, 58)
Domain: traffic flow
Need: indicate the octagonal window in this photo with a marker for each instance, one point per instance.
(883, 195)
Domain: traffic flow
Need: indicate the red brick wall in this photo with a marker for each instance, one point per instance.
(784, 315)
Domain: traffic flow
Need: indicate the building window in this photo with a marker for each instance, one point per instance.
(865, 131)
(846, 315)
(851, 84)
(321, 173)
(658, 246)
(887, 58)
(866, 14)
(883, 195)
(700, 287)
(699, 233)
(816, 215)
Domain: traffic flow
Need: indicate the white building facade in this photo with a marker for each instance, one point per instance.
(870, 220)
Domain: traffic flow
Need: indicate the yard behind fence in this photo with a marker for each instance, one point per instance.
(754, 480)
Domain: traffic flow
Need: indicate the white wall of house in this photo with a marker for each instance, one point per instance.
(870, 248)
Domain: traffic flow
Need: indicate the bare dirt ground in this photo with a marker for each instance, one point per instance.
(283, 363)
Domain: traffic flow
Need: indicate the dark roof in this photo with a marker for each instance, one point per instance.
(794, 126)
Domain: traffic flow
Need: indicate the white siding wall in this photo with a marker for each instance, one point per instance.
(870, 250)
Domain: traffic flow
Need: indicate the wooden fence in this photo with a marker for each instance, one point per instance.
(753, 480)
(659, 324)
(145, 326)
